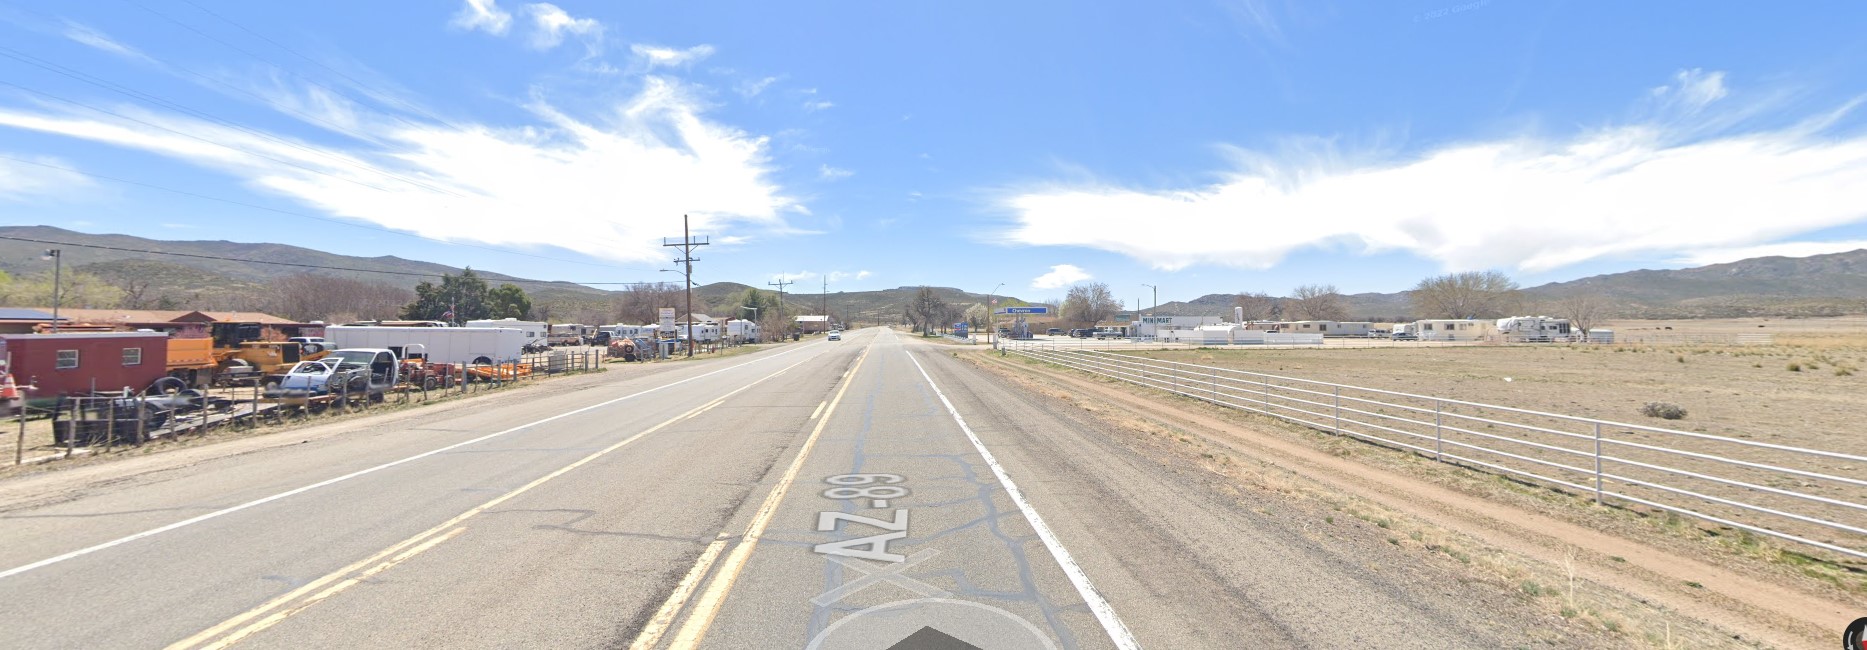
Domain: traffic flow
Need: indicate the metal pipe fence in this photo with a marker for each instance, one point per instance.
(1808, 496)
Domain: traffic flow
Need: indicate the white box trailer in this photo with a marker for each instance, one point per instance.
(742, 331)
(1536, 329)
(536, 332)
(482, 345)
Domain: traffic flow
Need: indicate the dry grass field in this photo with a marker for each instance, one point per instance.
(1807, 388)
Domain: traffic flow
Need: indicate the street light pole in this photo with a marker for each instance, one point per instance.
(1156, 310)
(58, 264)
(991, 316)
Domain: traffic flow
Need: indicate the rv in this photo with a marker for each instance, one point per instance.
(571, 334)
(742, 331)
(475, 345)
(1534, 329)
(536, 337)
(1453, 329)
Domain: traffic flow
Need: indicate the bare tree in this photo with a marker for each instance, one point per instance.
(1584, 309)
(1256, 305)
(640, 304)
(310, 296)
(1472, 294)
(1316, 302)
(926, 309)
(1088, 304)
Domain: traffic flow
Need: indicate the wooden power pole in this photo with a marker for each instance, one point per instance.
(687, 246)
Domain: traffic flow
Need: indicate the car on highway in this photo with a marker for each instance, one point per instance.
(836, 336)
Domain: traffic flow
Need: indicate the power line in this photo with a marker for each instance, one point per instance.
(340, 222)
(687, 246)
(322, 267)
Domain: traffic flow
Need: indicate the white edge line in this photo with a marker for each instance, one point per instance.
(331, 481)
(1112, 624)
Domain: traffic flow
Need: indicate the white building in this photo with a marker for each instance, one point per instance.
(536, 332)
(1157, 325)
(1329, 328)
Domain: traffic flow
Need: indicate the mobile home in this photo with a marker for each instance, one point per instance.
(570, 333)
(742, 331)
(1452, 329)
(478, 345)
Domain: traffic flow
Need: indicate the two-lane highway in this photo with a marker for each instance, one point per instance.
(849, 494)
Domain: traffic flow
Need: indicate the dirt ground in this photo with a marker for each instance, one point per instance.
(1807, 388)
(1624, 571)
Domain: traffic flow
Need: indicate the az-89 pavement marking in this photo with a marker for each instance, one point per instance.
(276, 610)
(1112, 624)
(332, 481)
(708, 607)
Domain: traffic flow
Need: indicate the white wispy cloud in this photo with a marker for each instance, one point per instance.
(482, 15)
(90, 36)
(1061, 275)
(655, 55)
(1692, 90)
(750, 88)
(795, 277)
(653, 157)
(551, 24)
(839, 276)
(829, 173)
(21, 181)
(1534, 204)
(814, 106)
(1782, 249)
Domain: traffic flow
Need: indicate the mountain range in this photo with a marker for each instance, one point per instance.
(215, 275)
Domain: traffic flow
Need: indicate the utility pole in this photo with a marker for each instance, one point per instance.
(826, 300)
(991, 316)
(58, 265)
(780, 284)
(687, 246)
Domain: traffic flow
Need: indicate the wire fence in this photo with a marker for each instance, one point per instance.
(1808, 496)
(82, 424)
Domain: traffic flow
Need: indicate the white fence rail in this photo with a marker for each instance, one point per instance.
(1808, 496)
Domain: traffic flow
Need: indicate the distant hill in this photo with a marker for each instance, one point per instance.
(218, 284)
(1819, 285)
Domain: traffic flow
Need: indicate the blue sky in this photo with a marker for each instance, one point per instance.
(1200, 146)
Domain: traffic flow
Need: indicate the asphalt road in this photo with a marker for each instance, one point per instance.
(868, 493)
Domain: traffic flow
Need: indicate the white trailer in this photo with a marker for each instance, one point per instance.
(571, 333)
(482, 345)
(1537, 329)
(537, 333)
(620, 331)
(742, 331)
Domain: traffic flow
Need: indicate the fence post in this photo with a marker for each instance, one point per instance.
(1338, 410)
(1597, 463)
(1438, 448)
(142, 417)
(19, 447)
(110, 427)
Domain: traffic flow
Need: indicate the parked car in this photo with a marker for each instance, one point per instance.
(356, 371)
(1082, 333)
(1055, 331)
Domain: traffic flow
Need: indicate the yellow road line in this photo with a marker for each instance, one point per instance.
(664, 617)
(204, 636)
(281, 615)
(710, 601)
(819, 411)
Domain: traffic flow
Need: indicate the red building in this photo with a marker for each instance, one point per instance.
(74, 363)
